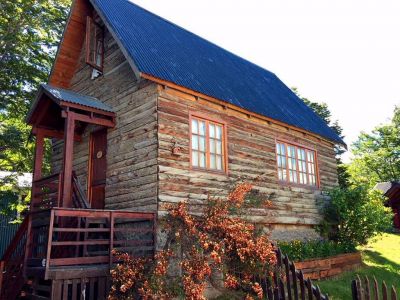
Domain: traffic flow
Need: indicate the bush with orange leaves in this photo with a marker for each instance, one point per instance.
(219, 241)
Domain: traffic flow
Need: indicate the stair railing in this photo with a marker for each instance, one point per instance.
(12, 263)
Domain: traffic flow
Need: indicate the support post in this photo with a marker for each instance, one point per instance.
(69, 129)
(38, 162)
(39, 149)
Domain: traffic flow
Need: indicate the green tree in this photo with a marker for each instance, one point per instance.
(377, 154)
(322, 110)
(29, 33)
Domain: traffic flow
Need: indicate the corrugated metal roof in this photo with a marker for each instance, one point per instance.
(169, 52)
(72, 97)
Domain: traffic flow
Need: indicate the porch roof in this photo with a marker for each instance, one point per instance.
(62, 96)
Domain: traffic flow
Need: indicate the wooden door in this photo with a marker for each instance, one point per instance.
(97, 168)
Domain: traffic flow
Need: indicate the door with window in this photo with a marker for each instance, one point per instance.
(97, 168)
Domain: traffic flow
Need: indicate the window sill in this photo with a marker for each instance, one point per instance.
(298, 185)
(217, 172)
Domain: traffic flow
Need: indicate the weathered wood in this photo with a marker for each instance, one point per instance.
(361, 290)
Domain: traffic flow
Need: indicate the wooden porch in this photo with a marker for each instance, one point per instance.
(62, 244)
(63, 248)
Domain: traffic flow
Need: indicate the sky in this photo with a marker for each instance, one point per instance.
(344, 52)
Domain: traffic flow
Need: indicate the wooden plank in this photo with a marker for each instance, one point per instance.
(56, 290)
(78, 261)
(376, 290)
(75, 288)
(65, 289)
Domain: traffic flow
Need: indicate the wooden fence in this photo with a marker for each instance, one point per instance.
(366, 289)
(287, 283)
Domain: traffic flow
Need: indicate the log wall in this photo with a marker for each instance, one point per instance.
(132, 144)
(251, 155)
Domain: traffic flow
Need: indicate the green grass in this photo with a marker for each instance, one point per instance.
(381, 258)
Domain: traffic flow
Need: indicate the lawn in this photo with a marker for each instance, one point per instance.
(381, 258)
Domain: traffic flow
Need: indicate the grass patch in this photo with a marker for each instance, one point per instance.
(381, 258)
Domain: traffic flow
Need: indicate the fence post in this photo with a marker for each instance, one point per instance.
(367, 290)
(354, 290)
(376, 291)
(384, 291)
(394, 295)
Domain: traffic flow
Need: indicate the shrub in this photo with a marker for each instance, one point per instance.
(219, 240)
(301, 250)
(355, 215)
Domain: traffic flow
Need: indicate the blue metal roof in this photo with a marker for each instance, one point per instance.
(169, 52)
(72, 97)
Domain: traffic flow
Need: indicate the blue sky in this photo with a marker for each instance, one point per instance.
(344, 52)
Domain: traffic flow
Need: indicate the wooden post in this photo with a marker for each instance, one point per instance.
(39, 148)
(38, 162)
(111, 237)
(69, 129)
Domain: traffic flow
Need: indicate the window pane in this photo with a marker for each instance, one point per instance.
(213, 164)
(219, 132)
(291, 151)
(219, 162)
(293, 176)
(202, 144)
(195, 158)
(202, 128)
(283, 149)
(219, 147)
(212, 130)
(310, 156)
(195, 142)
(283, 159)
(202, 160)
(212, 146)
(278, 148)
(195, 126)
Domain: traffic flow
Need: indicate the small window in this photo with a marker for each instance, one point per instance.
(207, 144)
(94, 44)
(296, 164)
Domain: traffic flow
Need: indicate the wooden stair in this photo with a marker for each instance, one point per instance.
(65, 253)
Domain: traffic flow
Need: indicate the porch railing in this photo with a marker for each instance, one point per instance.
(46, 192)
(87, 236)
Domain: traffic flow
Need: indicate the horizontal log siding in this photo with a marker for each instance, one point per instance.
(251, 154)
(132, 144)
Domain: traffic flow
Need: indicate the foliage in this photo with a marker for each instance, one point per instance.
(14, 199)
(380, 258)
(216, 242)
(322, 110)
(301, 250)
(377, 154)
(355, 215)
(29, 33)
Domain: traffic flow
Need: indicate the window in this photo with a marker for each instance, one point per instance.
(296, 164)
(94, 44)
(207, 144)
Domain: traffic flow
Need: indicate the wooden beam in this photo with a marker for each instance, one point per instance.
(86, 108)
(50, 133)
(68, 158)
(90, 119)
(39, 148)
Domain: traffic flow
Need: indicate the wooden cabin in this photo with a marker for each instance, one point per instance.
(391, 190)
(142, 113)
